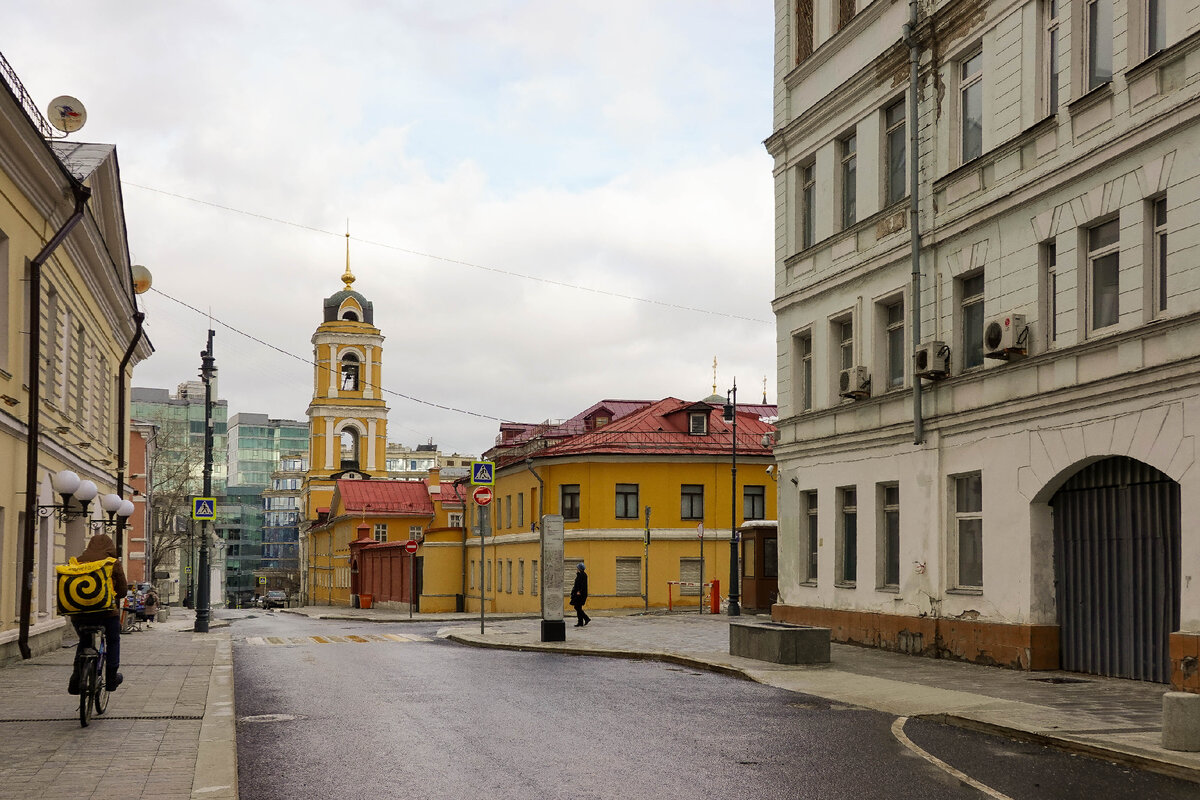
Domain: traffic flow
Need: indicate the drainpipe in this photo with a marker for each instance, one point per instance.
(914, 56)
(541, 532)
(81, 193)
(123, 425)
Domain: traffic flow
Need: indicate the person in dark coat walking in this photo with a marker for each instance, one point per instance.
(99, 548)
(579, 596)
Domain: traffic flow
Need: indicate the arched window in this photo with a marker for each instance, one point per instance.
(349, 442)
(350, 372)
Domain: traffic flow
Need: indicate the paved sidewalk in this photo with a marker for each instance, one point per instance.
(1118, 720)
(168, 733)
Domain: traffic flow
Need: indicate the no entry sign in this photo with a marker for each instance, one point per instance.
(482, 495)
(411, 545)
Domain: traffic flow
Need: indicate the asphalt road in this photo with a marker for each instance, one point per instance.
(403, 714)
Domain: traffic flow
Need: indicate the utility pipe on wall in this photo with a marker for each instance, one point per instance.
(914, 56)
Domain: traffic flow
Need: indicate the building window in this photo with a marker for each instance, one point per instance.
(1156, 26)
(520, 509)
(380, 531)
(1098, 42)
(804, 29)
(754, 502)
(629, 576)
(509, 582)
(520, 576)
(698, 423)
(627, 501)
(889, 529)
(534, 578)
(414, 532)
(1104, 262)
(808, 205)
(1158, 258)
(897, 184)
(691, 504)
(570, 502)
(1050, 49)
(454, 519)
(350, 372)
(847, 535)
(1048, 257)
(489, 575)
(845, 12)
(804, 370)
(968, 523)
(472, 573)
(508, 510)
(809, 540)
(894, 344)
(843, 336)
(971, 303)
(849, 160)
(970, 87)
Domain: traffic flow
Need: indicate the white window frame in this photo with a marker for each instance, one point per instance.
(698, 423)
(810, 537)
(888, 532)
(1154, 26)
(848, 179)
(1048, 287)
(802, 379)
(1096, 23)
(1051, 16)
(847, 536)
(895, 148)
(1095, 252)
(969, 82)
(379, 532)
(1156, 223)
(963, 519)
(806, 219)
(964, 303)
(889, 329)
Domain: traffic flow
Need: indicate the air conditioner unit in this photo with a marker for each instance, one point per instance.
(1006, 336)
(855, 383)
(932, 360)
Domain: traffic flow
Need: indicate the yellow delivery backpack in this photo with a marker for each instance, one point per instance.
(87, 587)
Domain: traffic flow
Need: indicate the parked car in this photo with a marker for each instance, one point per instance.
(276, 598)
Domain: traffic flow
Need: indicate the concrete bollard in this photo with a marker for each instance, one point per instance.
(1181, 722)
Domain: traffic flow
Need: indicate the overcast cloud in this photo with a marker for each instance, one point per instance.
(485, 154)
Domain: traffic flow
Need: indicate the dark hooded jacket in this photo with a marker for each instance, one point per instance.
(99, 548)
(579, 592)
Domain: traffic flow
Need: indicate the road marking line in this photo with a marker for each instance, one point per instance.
(320, 640)
(337, 639)
(358, 639)
(898, 732)
(254, 640)
(276, 640)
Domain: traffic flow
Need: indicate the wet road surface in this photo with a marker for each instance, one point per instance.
(334, 708)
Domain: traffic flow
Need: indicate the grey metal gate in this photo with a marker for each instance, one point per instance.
(1116, 568)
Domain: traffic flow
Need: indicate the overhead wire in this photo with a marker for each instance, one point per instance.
(449, 260)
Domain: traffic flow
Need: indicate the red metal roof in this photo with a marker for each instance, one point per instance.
(662, 428)
(384, 496)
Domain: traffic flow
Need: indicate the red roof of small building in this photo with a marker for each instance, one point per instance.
(385, 497)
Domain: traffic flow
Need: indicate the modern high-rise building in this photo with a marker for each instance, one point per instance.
(256, 442)
(988, 311)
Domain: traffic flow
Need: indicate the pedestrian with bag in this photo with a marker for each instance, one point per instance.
(579, 593)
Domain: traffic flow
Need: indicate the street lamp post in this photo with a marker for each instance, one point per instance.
(731, 416)
(207, 370)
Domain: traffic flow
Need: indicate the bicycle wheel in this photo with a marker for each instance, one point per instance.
(87, 688)
(100, 698)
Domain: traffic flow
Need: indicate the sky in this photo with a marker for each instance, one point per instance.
(550, 202)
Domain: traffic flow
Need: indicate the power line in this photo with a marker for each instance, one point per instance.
(449, 260)
(311, 363)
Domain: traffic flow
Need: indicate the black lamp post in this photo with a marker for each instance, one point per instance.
(207, 370)
(730, 415)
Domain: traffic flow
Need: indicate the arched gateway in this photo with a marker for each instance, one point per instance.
(1117, 536)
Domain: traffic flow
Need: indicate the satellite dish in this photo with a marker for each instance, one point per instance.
(67, 114)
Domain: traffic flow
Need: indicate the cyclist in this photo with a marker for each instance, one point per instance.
(99, 548)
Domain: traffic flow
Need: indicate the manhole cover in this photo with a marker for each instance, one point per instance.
(1060, 680)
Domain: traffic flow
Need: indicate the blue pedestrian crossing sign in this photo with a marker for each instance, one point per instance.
(204, 508)
(483, 473)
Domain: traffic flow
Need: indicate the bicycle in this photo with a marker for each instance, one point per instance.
(90, 663)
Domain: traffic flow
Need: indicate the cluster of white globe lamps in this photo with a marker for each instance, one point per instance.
(68, 484)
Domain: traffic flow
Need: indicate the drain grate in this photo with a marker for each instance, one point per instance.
(1060, 680)
(106, 716)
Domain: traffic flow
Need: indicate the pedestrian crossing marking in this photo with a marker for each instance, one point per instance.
(386, 638)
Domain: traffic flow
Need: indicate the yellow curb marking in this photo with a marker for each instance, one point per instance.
(898, 732)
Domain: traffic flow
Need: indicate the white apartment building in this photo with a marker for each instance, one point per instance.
(1034, 515)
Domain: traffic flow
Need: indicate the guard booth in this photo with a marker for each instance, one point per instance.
(760, 564)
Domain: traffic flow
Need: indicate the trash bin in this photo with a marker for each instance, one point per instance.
(365, 600)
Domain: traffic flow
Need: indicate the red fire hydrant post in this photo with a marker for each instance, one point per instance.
(714, 597)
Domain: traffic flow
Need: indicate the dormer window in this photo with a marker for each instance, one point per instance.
(349, 372)
(601, 421)
(698, 423)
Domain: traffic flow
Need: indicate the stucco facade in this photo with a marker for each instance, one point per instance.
(1055, 195)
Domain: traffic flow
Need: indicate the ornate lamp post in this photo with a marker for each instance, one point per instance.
(730, 415)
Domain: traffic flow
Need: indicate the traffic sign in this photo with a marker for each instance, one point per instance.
(262, 581)
(204, 508)
(411, 545)
(482, 495)
(483, 473)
